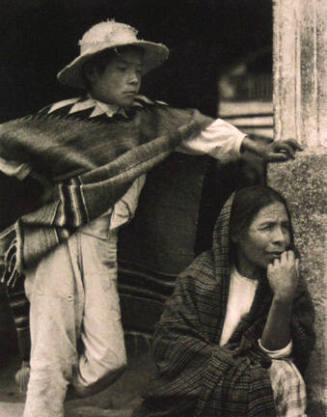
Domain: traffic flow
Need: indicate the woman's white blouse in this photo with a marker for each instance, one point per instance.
(240, 298)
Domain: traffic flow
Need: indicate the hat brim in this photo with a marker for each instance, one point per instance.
(154, 55)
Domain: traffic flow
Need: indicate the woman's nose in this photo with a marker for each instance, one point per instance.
(279, 235)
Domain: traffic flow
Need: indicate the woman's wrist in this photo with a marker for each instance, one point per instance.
(283, 301)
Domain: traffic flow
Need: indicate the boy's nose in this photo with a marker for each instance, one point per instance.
(133, 77)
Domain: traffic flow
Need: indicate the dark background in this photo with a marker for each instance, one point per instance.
(39, 37)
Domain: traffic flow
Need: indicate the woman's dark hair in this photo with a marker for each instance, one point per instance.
(248, 202)
(103, 58)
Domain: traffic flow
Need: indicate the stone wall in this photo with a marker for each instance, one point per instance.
(302, 182)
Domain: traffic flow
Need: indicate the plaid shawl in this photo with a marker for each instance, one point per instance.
(91, 163)
(197, 377)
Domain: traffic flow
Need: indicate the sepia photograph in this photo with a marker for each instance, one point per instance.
(163, 208)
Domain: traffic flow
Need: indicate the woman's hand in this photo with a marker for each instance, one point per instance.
(282, 275)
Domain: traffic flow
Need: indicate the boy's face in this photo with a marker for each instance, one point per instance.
(120, 82)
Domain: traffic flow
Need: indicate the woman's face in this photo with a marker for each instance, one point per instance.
(266, 238)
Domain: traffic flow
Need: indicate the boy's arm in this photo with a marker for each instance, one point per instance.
(23, 170)
(225, 142)
(15, 169)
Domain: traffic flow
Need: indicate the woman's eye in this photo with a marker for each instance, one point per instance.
(267, 227)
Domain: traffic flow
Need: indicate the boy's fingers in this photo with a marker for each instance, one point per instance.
(283, 150)
(277, 157)
(294, 144)
(284, 147)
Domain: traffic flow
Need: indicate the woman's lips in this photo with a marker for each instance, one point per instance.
(275, 254)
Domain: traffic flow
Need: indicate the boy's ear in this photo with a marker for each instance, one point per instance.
(90, 72)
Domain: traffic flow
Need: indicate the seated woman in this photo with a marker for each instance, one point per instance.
(237, 331)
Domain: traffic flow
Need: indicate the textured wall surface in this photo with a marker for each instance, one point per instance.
(300, 104)
(303, 183)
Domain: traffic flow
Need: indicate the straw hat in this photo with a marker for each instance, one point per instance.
(110, 35)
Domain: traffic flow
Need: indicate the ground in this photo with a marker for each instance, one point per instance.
(117, 401)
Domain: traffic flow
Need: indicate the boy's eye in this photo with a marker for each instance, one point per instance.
(121, 66)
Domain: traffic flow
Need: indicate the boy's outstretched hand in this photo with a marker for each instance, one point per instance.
(274, 151)
(281, 150)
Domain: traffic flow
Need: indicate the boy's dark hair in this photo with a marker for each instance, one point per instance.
(103, 58)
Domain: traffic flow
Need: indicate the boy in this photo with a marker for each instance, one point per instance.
(76, 333)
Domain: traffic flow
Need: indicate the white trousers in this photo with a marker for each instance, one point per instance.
(75, 321)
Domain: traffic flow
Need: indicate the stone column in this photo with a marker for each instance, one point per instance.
(300, 106)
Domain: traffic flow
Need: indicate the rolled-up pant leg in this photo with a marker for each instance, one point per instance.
(102, 336)
(73, 295)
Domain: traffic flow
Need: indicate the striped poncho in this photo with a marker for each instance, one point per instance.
(195, 375)
(90, 163)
